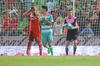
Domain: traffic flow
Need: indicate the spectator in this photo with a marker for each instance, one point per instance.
(69, 4)
(28, 4)
(11, 7)
(1, 6)
(50, 6)
(87, 31)
(58, 26)
(5, 23)
(13, 11)
(13, 26)
(11, 3)
(1, 24)
(56, 3)
(55, 13)
(95, 16)
(96, 23)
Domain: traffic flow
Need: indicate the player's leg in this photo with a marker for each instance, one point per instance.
(30, 38)
(29, 48)
(44, 44)
(68, 38)
(40, 48)
(50, 48)
(75, 36)
(47, 46)
(44, 39)
(50, 39)
(67, 44)
(75, 46)
(37, 36)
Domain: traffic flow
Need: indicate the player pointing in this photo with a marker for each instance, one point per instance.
(34, 32)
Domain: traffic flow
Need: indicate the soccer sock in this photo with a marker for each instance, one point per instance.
(40, 49)
(28, 49)
(47, 46)
(74, 51)
(67, 51)
(51, 50)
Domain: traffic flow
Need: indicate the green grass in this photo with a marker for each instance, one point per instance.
(50, 61)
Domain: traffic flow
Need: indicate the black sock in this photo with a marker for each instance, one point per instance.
(74, 50)
(66, 51)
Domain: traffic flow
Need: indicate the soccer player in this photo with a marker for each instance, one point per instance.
(35, 31)
(46, 28)
(72, 33)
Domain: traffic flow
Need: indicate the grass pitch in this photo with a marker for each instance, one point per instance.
(50, 61)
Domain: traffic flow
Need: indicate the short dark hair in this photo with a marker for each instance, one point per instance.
(70, 9)
(33, 8)
(45, 7)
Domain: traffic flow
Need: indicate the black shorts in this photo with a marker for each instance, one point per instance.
(72, 34)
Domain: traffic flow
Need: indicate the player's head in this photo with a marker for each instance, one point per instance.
(70, 13)
(44, 9)
(33, 9)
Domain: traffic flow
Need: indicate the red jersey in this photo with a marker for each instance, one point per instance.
(34, 21)
(35, 31)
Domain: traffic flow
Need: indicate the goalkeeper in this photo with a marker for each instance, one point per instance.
(72, 26)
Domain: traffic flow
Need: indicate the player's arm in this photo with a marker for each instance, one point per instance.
(38, 15)
(26, 13)
(49, 22)
(76, 25)
(46, 21)
(40, 22)
(64, 22)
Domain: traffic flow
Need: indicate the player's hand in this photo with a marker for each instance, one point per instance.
(43, 19)
(76, 27)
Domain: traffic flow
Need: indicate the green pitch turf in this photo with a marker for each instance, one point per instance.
(50, 61)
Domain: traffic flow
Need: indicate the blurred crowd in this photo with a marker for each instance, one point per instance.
(12, 22)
